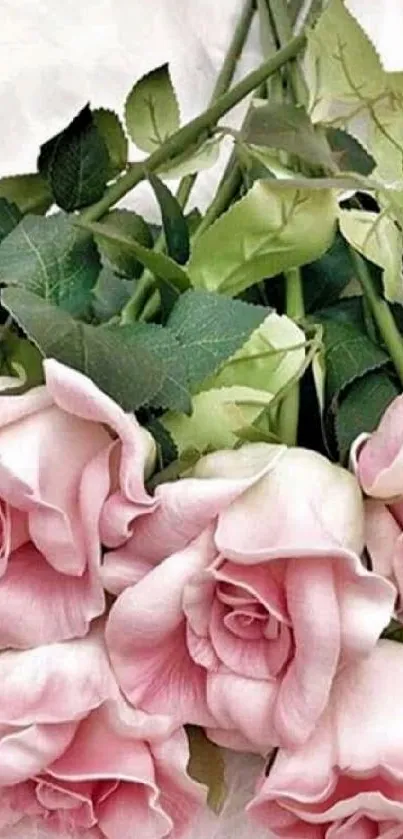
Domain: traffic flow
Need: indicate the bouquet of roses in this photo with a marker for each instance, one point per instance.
(201, 458)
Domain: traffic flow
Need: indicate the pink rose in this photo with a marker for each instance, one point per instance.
(244, 629)
(76, 760)
(346, 782)
(378, 462)
(72, 467)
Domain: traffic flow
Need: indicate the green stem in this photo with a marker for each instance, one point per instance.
(223, 82)
(133, 308)
(381, 312)
(289, 408)
(281, 23)
(192, 132)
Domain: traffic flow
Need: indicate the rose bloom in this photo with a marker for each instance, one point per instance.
(244, 627)
(76, 760)
(378, 462)
(346, 782)
(72, 468)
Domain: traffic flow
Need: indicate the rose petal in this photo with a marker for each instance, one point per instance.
(146, 640)
(380, 460)
(245, 706)
(26, 752)
(38, 605)
(56, 682)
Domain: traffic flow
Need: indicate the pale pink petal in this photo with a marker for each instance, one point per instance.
(180, 797)
(76, 394)
(146, 639)
(231, 739)
(120, 570)
(129, 812)
(304, 690)
(355, 750)
(186, 507)
(380, 460)
(305, 504)
(15, 408)
(26, 752)
(56, 682)
(16, 802)
(382, 537)
(264, 581)
(245, 706)
(38, 605)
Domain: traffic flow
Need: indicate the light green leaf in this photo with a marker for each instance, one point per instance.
(207, 766)
(31, 193)
(151, 110)
(75, 163)
(158, 263)
(262, 235)
(111, 130)
(129, 225)
(193, 160)
(349, 87)
(50, 257)
(267, 361)
(216, 416)
(377, 237)
(210, 329)
(288, 127)
(136, 365)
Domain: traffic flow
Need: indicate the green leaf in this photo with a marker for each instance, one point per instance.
(201, 156)
(362, 407)
(76, 163)
(111, 293)
(10, 216)
(289, 128)
(349, 154)
(112, 132)
(267, 361)
(217, 415)
(50, 257)
(207, 766)
(262, 235)
(349, 88)
(173, 221)
(151, 110)
(326, 278)
(377, 237)
(30, 193)
(349, 354)
(128, 225)
(22, 359)
(166, 448)
(136, 365)
(158, 263)
(210, 329)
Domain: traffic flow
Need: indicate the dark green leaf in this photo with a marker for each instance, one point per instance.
(288, 127)
(348, 153)
(76, 163)
(111, 293)
(210, 328)
(158, 263)
(165, 444)
(136, 365)
(129, 225)
(349, 354)
(111, 130)
(31, 193)
(10, 216)
(362, 407)
(151, 111)
(174, 223)
(325, 279)
(52, 258)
